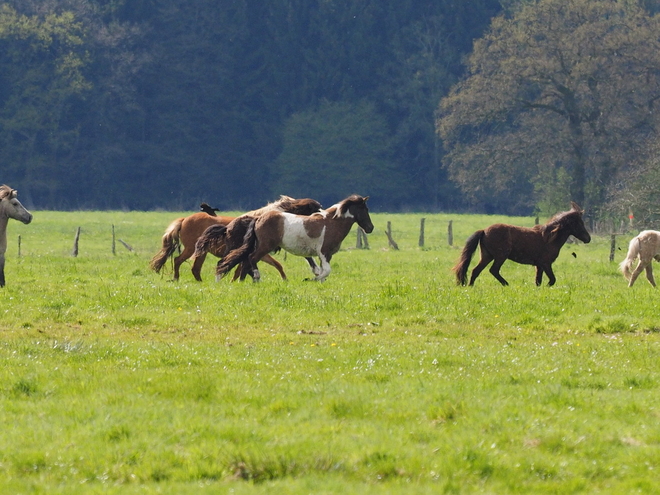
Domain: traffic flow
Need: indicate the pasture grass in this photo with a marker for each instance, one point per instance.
(386, 378)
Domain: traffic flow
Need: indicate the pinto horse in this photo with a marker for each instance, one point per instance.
(319, 234)
(186, 230)
(538, 246)
(10, 207)
(646, 247)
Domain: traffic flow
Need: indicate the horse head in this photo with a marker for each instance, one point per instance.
(358, 208)
(577, 227)
(11, 207)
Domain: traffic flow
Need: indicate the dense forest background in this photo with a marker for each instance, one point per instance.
(421, 104)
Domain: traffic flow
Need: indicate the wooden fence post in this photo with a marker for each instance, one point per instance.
(391, 241)
(365, 240)
(421, 232)
(358, 243)
(74, 253)
(113, 240)
(450, 233)
(19, 245)
(612, 246)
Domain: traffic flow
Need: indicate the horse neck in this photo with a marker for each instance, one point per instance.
(3, 231)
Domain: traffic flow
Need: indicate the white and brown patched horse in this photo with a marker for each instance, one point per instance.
(10, 207)
(319, 234)
(646, 247)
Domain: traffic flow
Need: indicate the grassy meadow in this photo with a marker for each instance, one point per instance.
(386, 378)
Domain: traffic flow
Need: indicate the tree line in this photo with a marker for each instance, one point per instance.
(504, 106)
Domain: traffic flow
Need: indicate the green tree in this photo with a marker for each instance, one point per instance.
(335, 151)
(562, 84)
(42, 80)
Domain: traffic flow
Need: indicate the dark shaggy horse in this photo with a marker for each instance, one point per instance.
(538, 246)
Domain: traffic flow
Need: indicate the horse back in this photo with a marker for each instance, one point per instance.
(194, 225)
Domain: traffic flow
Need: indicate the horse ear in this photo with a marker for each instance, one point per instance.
(366, 198)
(576, 207)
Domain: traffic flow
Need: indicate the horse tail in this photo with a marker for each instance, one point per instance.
(211, 241)
(240, 254)
(171, 243)
(634, 249)
(461, 267)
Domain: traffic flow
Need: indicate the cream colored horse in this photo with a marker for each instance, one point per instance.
(10, 207)
(646, 247)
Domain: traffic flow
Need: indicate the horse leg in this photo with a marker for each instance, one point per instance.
(495, 271)
(2, 270)
(186, 254)
(197, 267)
(539, 274)
(316, 269)
(483, 263)
(324, 269)
(649, 274)
(551, 276)
(638, 270)
(273, 262)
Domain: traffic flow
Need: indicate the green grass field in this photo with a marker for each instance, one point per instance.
(386, 378)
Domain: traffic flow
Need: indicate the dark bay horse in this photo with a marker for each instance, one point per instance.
(186, 230)
(319, 234)
(538, 246)
(10, 207)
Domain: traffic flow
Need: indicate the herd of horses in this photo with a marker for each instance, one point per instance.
(303, 228)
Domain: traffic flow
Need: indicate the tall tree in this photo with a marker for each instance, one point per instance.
(42, 60)
(561, 86)
(336, 150)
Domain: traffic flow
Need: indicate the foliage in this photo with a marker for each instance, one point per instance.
(387, 377)
(338, 150)
(179, 101)
(558, 85)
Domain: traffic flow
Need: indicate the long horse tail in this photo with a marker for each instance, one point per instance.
(240, 254)
(461, 267)
(211, 241)
(633, 252)
(171, 243)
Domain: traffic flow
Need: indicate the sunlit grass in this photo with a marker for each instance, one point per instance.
(386, 376)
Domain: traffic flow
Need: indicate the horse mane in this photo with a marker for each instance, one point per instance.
(558, 222)
(305, 206)
(7, 192)
(343, 206)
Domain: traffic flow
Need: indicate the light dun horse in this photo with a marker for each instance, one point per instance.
(186, 230)
(646, 247)
(319, 234)
(10, 207)
(538, 246)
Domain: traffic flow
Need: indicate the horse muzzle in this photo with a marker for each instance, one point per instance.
(27, 219)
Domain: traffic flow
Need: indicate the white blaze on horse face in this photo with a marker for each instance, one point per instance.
(295, 238)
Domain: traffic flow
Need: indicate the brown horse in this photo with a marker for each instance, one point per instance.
(319, 234)
(10, 207)
(646, 247)
(186, 230)
(538, 246)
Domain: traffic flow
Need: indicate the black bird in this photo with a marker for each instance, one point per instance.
(208, 209)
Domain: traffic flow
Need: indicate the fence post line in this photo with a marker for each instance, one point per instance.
(114, 244)
(74, 253)
(612, 246)
(421, 232)
(391, 241)
(19, 245)
(450, 233)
